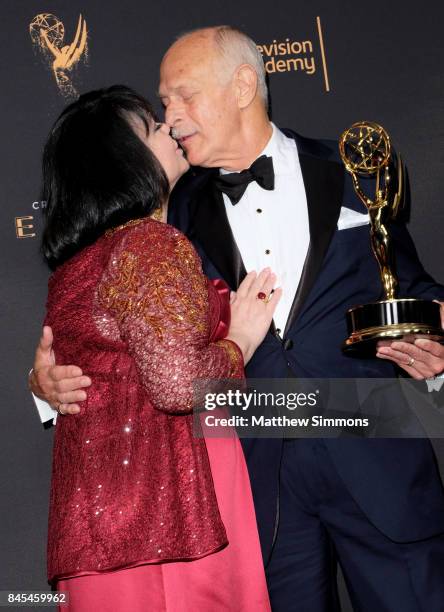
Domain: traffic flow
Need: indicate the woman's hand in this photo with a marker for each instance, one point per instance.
(251, 316)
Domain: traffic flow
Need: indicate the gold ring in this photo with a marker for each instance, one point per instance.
(57, 408)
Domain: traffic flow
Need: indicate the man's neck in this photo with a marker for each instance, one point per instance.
(252, 142)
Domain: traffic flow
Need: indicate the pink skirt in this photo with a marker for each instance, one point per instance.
(227, 581)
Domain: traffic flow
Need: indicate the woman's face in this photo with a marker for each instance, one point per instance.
(165, 148)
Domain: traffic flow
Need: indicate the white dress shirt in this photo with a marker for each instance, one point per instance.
(271, 227)
(46, 413)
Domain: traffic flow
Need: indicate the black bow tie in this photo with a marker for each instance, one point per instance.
(235, 184)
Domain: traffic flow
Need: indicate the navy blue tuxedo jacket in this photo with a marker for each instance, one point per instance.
(395, 482)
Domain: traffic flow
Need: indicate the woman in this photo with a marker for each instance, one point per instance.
(143, 515)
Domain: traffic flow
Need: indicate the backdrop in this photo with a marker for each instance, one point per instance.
(330, 64)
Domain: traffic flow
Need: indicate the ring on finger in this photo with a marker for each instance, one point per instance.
(411, 361)
(264, 297)
(57, 408)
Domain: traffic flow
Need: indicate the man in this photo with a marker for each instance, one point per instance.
(377, 506)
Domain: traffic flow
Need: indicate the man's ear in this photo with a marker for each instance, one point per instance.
(246, 85)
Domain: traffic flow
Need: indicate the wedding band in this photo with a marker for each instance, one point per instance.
(411, 361)
(57, 408)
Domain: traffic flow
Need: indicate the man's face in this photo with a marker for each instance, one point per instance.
(200, 105)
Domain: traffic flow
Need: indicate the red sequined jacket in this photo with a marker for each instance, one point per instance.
(131, 484)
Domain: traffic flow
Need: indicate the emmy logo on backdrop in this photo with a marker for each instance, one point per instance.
(47, 34)
(23, 227)
(366, 153)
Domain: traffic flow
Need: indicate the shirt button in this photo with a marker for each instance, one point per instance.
(267, 252)
(259, 210)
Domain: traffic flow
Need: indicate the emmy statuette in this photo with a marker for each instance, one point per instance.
(366, 153)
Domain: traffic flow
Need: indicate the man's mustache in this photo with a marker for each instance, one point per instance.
(177, 134)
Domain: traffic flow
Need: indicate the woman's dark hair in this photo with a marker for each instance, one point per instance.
(97, 173)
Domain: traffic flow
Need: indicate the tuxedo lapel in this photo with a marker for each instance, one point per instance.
(324, 184)
(210, 227)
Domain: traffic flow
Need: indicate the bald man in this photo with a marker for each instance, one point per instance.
(377, 506)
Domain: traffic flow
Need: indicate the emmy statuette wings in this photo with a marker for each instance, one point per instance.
(366, 153)
(47, 34)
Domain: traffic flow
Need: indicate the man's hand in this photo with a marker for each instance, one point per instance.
(421, 359)
(60, 386)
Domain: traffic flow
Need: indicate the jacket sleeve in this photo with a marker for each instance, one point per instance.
(156, 291)
(414, 281)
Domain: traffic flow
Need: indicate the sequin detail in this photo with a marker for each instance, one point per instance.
(131, 484)
(161, 285)
(235, 355)
(126, 225)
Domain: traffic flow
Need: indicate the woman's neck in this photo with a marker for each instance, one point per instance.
(160, 214)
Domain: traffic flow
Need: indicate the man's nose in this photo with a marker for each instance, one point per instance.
(173, 114)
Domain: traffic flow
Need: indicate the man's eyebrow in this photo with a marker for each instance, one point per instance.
(179, 88)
